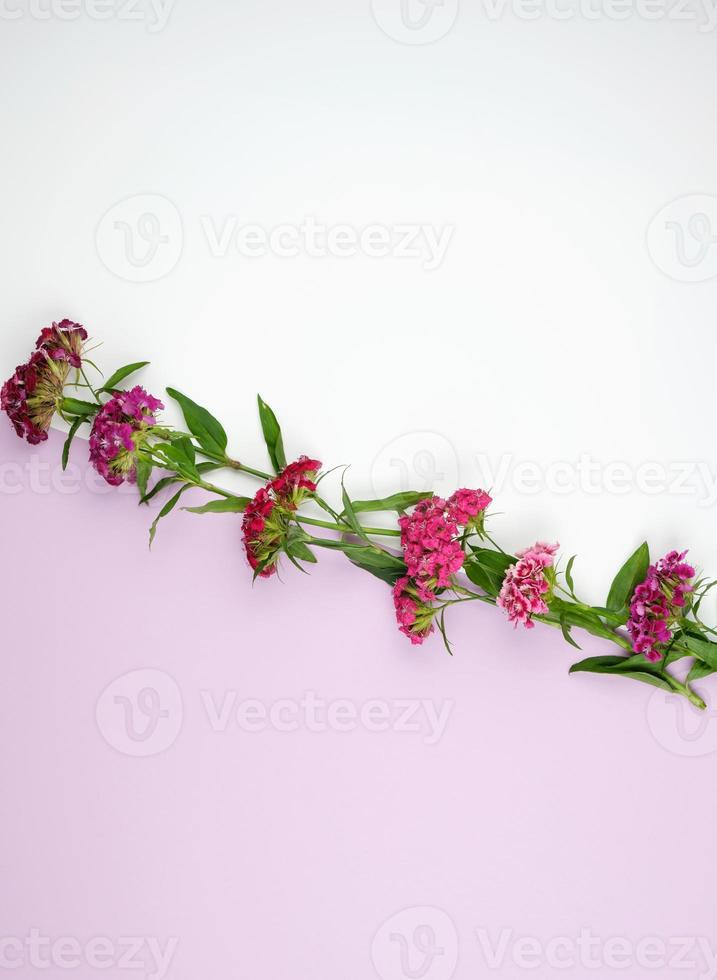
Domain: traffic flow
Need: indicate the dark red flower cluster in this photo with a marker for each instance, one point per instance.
(33, 394)
(294, 478)
(266, 519)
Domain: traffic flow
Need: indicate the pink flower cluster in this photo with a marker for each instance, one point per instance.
(525, 584)
(119, 429)
(33, 394)
(265, 521)
(657, 603)
(433, 555)
(414, 617)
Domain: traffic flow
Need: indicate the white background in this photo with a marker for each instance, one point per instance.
(560, 323)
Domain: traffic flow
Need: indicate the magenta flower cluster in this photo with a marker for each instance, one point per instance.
(525, 585)
(430, 538)
(119, 429)
(658, 602)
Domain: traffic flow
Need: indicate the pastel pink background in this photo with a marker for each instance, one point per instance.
(548, 805)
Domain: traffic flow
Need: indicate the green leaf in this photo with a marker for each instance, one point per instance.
(272, 435)
(698, 671)
(68, 442)
(703, 649)
(181, 454)
(389, 568)
(158, 487)
(350, 515)
(586, 619)
(297, 548)
(630, 575)
(228, 505)
(144, 471)
(73, 406)
(496, 561)
(167, 509)
(569, 575)
(208, 431)
(480, 576)
(122, 373)
(566, 633)
(398, 501)
(487, 568)
(614, 665)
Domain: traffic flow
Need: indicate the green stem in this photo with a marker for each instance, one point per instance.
(87, 382)
(343, 528)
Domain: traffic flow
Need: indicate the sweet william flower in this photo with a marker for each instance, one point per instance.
(526, 585)
(295, 478)
(262, 533)
(467, 507)
(120, 429)
(658, 603)
(267, 518)
(414, 616)
(63, 341)
(34, 393)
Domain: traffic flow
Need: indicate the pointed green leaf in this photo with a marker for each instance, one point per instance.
(569, 575)
(272, 435)
(68, 442)
(167, 509)
(122, 373)
(208, 432)
(73, 406)
(630, 575)
(350, 515)
(228, 505)
(144, 471)
(181, 455)
(566, 633)
(398, 501)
